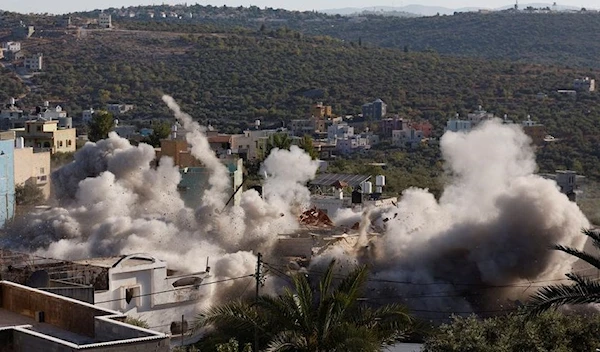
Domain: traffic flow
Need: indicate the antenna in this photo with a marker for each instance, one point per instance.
(207, 267)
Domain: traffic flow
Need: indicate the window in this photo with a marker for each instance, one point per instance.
(60, 144)
(69, 142)
(39, 128)
(42, 171)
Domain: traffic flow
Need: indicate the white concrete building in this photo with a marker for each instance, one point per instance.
(104, 20)
(140, 286)
(339, 131)
(11, 46)
(55, 113)
(34, 63)
(408, 136)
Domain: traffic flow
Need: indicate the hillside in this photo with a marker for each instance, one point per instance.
(569, 39)
(231, 78)
(560, 38)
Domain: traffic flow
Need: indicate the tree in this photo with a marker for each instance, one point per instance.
(549, 331)
(583, 291)
(160, 131)
(307, 144)
(306, 318)
(102, 123)
(137, 322)
(278, 140)
(28, 194)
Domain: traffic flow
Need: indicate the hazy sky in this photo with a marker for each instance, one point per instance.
(62, 6)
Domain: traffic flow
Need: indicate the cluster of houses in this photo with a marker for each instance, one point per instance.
(11, 51)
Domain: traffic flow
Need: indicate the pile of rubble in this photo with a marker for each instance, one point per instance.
(315, 217)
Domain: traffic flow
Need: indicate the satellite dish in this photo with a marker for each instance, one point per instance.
(37, 279)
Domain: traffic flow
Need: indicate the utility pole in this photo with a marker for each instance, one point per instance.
(257, 276)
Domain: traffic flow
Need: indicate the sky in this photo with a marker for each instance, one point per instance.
(64, 6)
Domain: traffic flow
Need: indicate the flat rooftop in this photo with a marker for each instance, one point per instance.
(10, 319)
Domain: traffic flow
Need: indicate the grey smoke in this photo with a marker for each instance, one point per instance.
(493, 226)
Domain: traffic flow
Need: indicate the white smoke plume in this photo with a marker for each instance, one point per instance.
(493, 226)
(110, 200)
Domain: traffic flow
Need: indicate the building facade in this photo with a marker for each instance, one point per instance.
(104, 20)
(41, 134)
(32, 167)
(375, 110)
(585, 84)
(7, 179)
(34, 62)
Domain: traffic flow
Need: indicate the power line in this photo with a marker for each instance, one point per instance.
(177, 289)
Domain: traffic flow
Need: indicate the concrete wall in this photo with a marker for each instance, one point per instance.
(7, 181)
(59, 312)
(24, 342)
(33, 168)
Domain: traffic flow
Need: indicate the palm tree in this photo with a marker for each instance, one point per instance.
(583, 291)
(278, 140)
(313, 320)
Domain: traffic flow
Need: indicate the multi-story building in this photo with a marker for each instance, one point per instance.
(407, 137)
(7, 178)
(339, 131)
(584, 84)
(32, 167)
(47, 135)
(386, 126)
(36, 320)
(34, 62)
(252, 144)
(320, 111)
(194, 181)
(473, 119)
(375, 110)
(104, 20)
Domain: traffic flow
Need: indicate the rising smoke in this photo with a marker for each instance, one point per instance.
(110, 200)
(492, 226)
(490, 232)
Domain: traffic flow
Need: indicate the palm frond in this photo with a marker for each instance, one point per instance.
(287, 340)
(236, 314)
(582, 292)
(589, 258)
(351, 285)
(594, 235)
(304, 298)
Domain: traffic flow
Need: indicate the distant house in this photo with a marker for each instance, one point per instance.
(584, 84)
(118, 109)
(34, 62)
(11, 46)
(375, 110)
(104, 20)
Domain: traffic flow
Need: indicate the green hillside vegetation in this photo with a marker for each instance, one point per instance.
(568, 39)
(560, 38)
